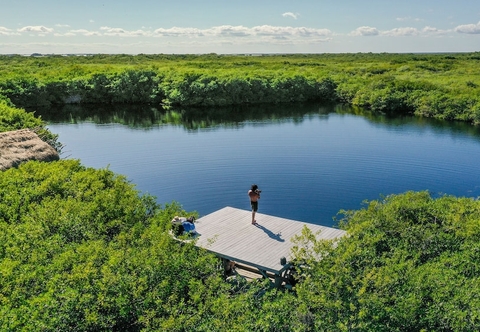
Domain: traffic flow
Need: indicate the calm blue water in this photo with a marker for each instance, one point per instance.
(309, 167)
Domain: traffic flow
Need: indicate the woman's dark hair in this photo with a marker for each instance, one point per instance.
(254, 187)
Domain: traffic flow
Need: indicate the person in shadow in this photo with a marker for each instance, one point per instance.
(182, 225)
(228, 267)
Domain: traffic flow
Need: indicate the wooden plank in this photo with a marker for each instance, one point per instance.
(229, 233)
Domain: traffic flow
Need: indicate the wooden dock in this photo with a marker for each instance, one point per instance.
(230, 235)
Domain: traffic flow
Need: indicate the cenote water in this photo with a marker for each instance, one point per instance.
(310, 161)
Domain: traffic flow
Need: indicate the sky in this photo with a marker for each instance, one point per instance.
(238, 27)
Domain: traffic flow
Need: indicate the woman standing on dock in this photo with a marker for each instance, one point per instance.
(254, 194)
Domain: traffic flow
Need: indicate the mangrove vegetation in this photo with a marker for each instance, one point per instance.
(81, 249)
(444, 86)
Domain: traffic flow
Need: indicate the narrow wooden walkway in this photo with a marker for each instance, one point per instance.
(230, 235)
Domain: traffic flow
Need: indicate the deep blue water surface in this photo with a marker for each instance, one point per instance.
(309, 167)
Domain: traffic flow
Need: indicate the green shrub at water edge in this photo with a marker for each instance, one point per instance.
(12, 118)
(409, 263)
(431, 85)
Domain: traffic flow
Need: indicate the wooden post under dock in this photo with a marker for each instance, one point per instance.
(229, 234)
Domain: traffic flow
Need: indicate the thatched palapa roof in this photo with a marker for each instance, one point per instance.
(23, 145)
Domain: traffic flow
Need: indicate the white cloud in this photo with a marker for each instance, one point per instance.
(399, 32)
(365, 31)
(83, 32)
(140, 33)
(178, 32)
(62, 25)
(268, 30)
(260, 37)
(227, 31)
(430, 29)
(108, 31)
(468, 28)
(241, 31)
(7, 32)
(113, 31)
(434, 31)
(290, 14)
(40, 29)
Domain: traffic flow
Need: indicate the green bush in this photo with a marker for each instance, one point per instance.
(409, 263)
(391, 83)
(12, 118)
(80, 249)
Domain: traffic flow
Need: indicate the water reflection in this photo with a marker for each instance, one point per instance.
(440, 127)
(147, 117)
